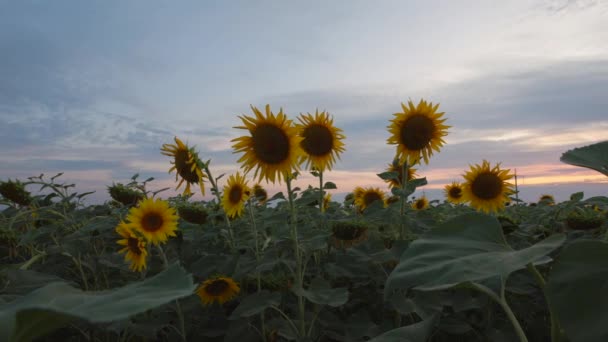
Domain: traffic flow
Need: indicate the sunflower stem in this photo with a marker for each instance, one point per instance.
(216, 191)
(505, 306)
(403, 200)
(556, 330)
(321, 206)
(296, 245)
(257, 258)
(178, 308)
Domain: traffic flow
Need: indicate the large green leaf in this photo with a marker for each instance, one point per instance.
(592, 156)
(412, 333)
(467, 248)
(578, 290)
(56, 304)
(256, 303)
(321, 293)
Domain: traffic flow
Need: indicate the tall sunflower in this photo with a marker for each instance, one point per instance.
(134, 247)
(273, 147)
(453, 193)
(420, 204)
(487, 188)
(417, 131)
(321, 141)
(236, 193)
(546, 199)
(218, 289)
(398, 168)
(186, 163)
(154, 219)
(260, 193)
(364, 197)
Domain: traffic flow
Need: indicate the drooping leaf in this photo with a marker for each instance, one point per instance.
(412, 333)
(255, 304)
(594, 157)
(56, 304)
(578, 290)
(467, 248)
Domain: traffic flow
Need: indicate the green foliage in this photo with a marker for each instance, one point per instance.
(594, 157)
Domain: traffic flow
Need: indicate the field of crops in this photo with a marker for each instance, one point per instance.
(296, 266)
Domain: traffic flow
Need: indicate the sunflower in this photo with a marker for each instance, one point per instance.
(217, 289)
(326, 201)
(154, 219)
(487, 188)
(417, 131)
(273, 148)
(348, 233)
(260, 193)
(364, 197)
(420, 204)
(186, 164)
(398, 168)
(135, 247)
(15, 192)
(321, 141)
(453, 193)
(236, 193)
(546, 199)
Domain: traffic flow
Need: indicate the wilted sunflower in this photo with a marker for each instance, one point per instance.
(453, 193)
(154, 219)
(364, 197)
(260, 193)
(236, 193)
(420, 204)
(273, 148)
(218, 289)
(546, 199)
(398, 168)
(186, 163)
(487, 188)
(321, 141)
(348, 233)
(135, 247)
(126, 195)
(417, 131)
(15, 192)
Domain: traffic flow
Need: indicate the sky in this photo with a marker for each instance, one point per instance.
(94, 88)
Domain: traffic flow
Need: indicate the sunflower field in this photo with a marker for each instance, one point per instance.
(481, 265)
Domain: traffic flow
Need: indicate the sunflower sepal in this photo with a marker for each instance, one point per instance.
(388, 175)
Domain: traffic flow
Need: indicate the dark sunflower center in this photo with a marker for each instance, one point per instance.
(217, 287)
(417, 132)
(184, 167)
(151, 222)
(260, 193)
(318, 140)
(419, 204)
(235, 194)
(133, 244)
(455, 192)
(487, 186)
(270, 144)
(370, 197)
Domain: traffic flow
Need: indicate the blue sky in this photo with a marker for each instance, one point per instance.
(94, 88)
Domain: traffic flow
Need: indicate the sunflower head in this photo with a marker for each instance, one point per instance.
(546, 199)
(321, 141)
(125, 195)
(364, 197)
(236, 193)
(420, 204)
(417, 131)
(584, 219)
(347, 233)
(453, 193)
(398, 168)
(273, 146)
(153, 219)
(192, 212)
(134, 247)
(326, 201)
(486, 188)
(15, 192)
(186, 163)
(260, 193)
(217, 289)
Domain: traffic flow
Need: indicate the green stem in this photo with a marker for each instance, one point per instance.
(257, 258)
(216, 191)
(178, 308)
(299, 281)
(403, 200)
(82, 275)
(505, 306)
(321, 206)
(555, 326)
(32, 260)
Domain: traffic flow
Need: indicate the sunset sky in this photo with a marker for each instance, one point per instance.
(94, 88)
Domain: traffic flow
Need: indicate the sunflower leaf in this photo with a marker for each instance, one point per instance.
(467, 248)
(255, 304)
(55, 305)
(577, 290)
(320, 293)
(414, 332)
(330, 186)
(594, 157)
(388, 175)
